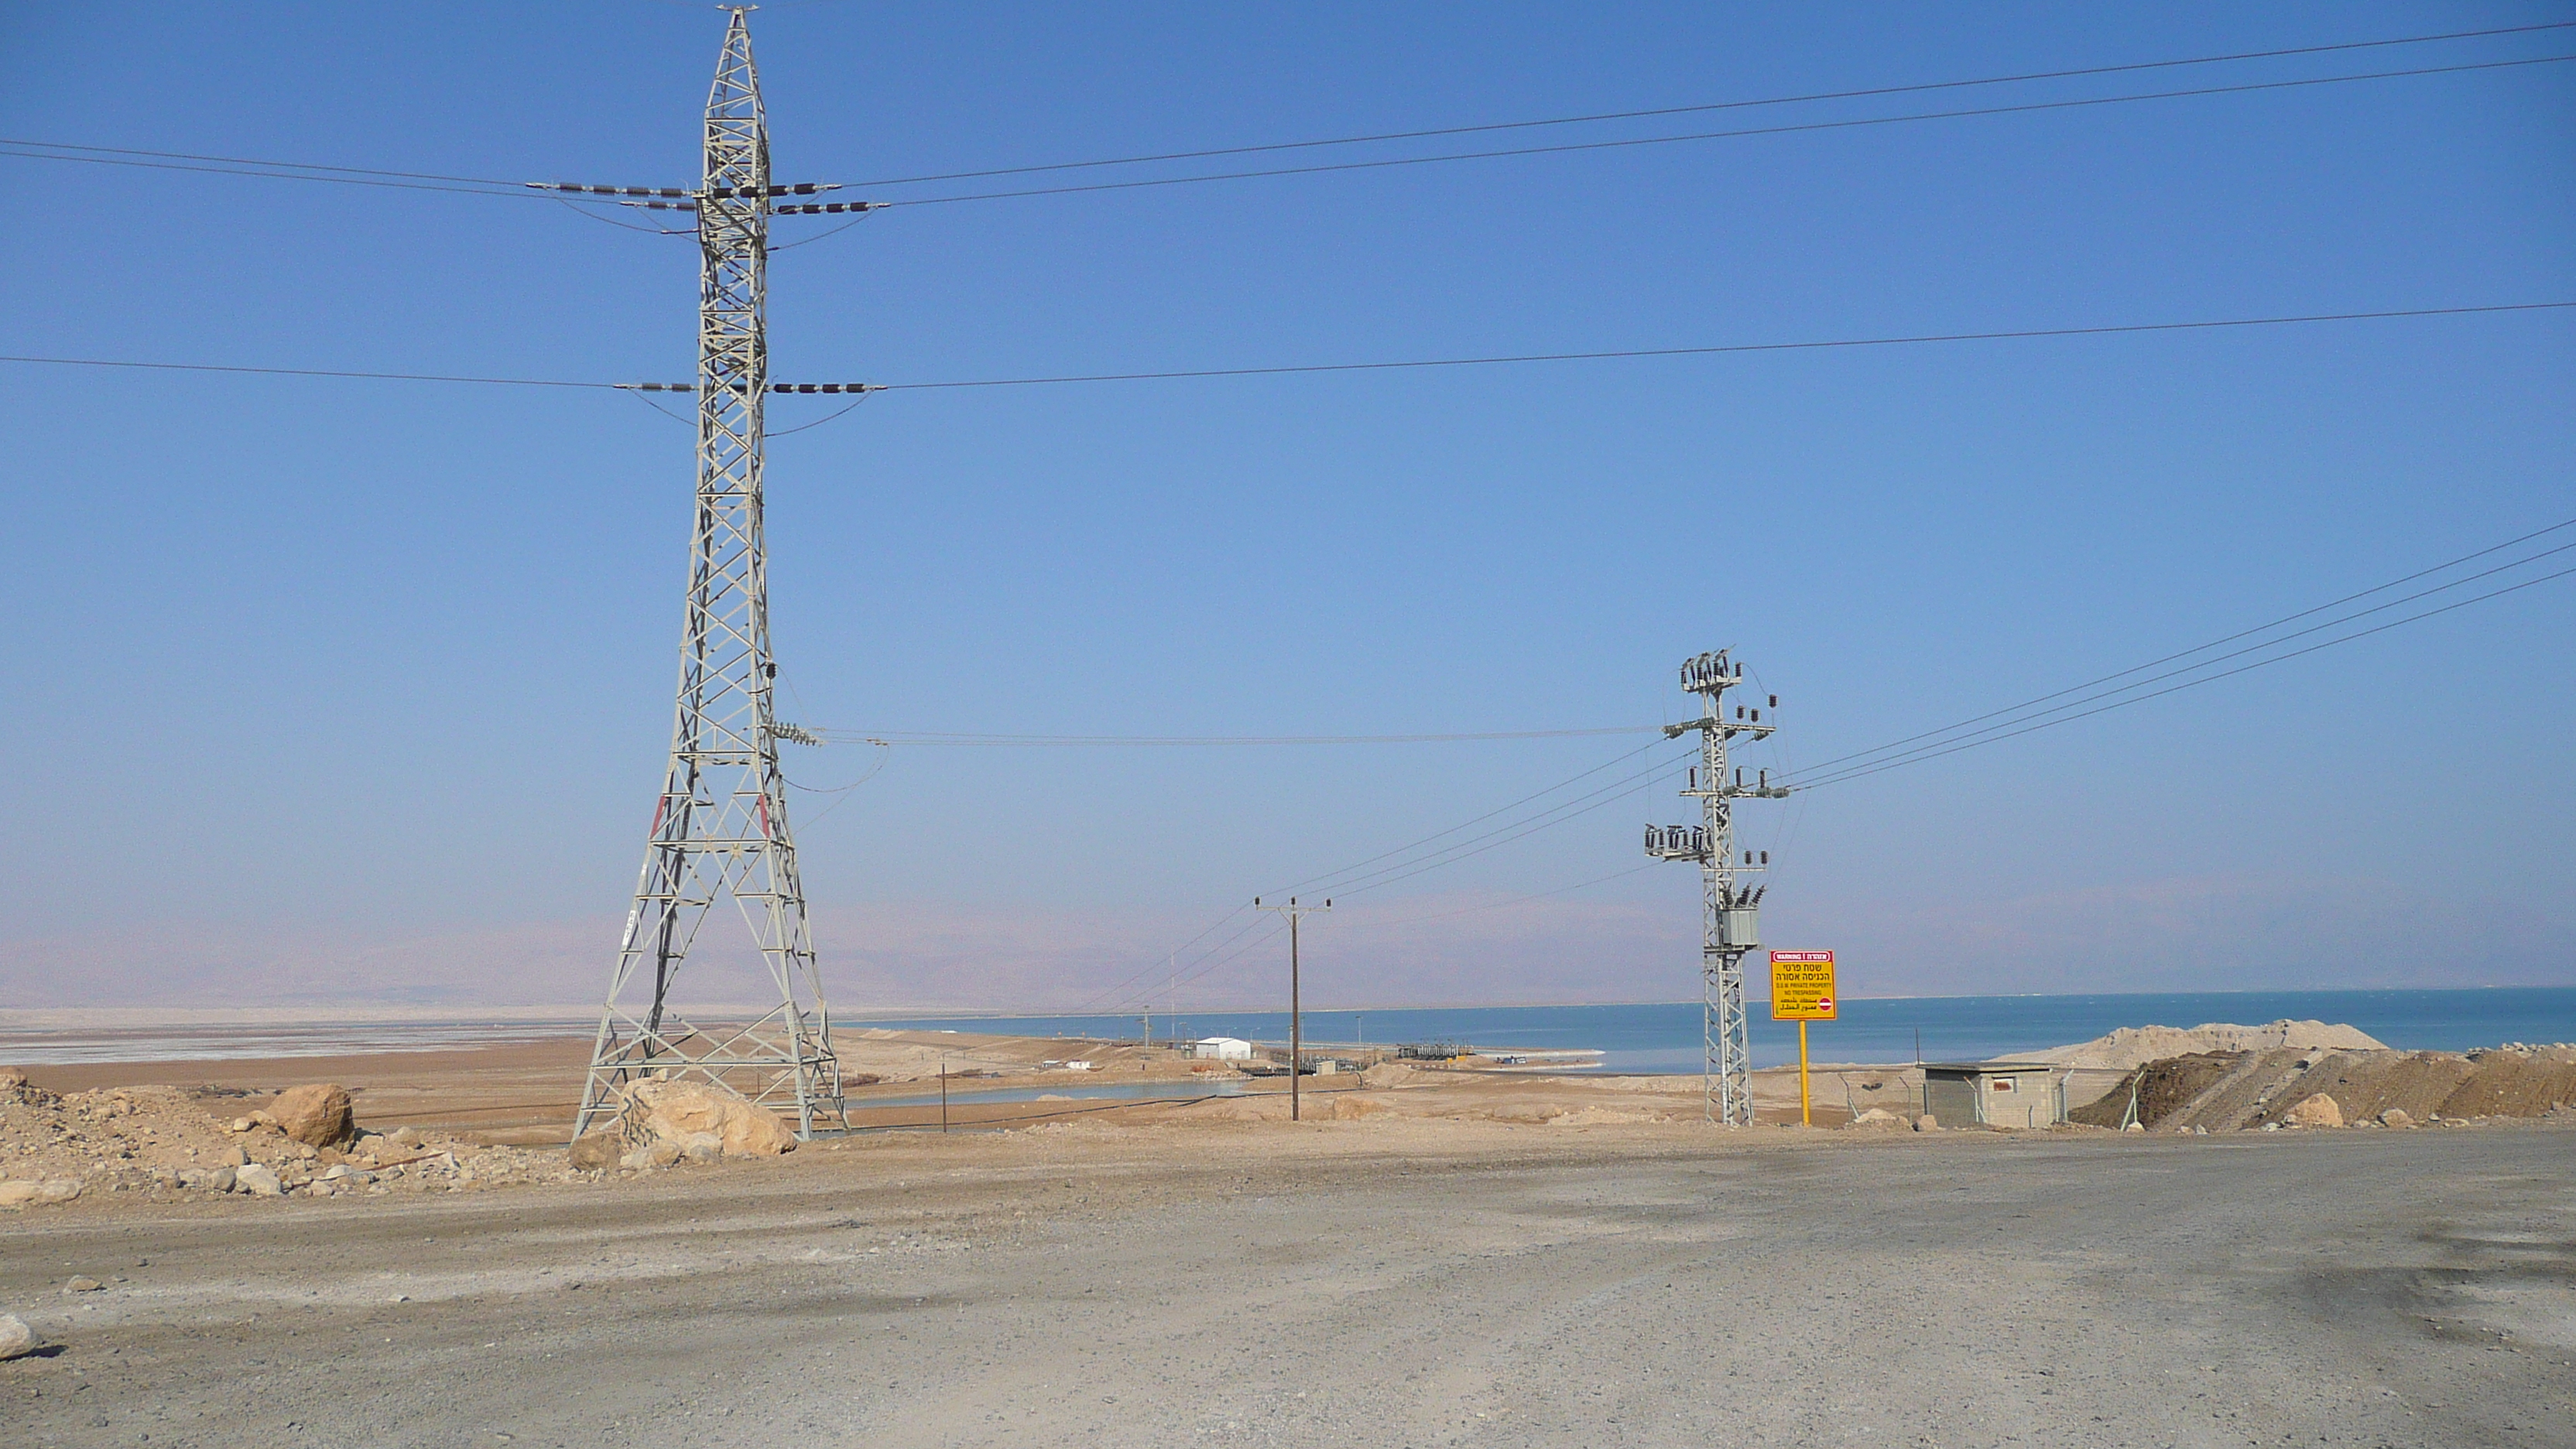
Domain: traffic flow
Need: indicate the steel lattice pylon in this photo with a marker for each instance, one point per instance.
(1730, 910)
(720, 827)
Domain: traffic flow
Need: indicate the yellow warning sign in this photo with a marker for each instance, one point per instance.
(1802, 986)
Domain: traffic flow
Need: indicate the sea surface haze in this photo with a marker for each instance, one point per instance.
(1647, 1037)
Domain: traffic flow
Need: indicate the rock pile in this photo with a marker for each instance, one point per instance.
(163, 1143)
(661, 1121)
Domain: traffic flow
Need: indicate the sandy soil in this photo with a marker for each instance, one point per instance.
(526, 1093)
(1389, 1282)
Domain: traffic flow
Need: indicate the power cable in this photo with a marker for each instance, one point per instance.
(1911, 340)
(367, 171)
(1786, 129)
(657, 407)
(1612, 795)
(1610, 763)
(1221, 922)
(818, 422)
(1404, 863)
(273, 169)
(626, 225)
(1814, 96)
(478, 188)
(1371, 925)
(310, 372)
(951, 737)
(1549, 818)
(1952, 749)
(1717, 350)
(1825, 766)
(1501, 835)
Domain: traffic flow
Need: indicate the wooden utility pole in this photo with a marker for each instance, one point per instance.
(1296, 1016)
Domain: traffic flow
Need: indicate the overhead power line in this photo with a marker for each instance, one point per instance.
(309, 372)
(1784, 129)
(954, 737)
(1191, 955)
(2020, 720)
(1192, 961)
(1597, 117)
(1219, 954)
(1722, 349)
(1821, 767)
(272, 168)
(2207, 679)
(1286, 370)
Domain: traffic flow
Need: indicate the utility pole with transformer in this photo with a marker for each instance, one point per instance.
(1730, 926)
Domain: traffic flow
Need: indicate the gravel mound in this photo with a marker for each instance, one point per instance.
(2291, 1087)
(2131, 1047)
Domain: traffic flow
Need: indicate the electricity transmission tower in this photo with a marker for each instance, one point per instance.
(1729, 908)
(720, 825)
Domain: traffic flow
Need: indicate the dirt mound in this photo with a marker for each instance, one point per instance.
(2131, 1047)
(2232, 1091)
(1398, 1074)
(2157, 1091)
(2498, 1082)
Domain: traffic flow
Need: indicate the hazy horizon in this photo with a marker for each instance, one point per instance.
(365, 688)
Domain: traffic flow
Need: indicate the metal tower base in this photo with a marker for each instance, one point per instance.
(1726, 1058)
(780, 1062)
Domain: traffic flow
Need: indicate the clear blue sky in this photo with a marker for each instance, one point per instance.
(359, 690)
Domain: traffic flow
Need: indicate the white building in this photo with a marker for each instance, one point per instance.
(1222, 1049)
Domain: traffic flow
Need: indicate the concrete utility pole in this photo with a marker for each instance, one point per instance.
(720, 824)
(1729, 911)
(1296, 1018)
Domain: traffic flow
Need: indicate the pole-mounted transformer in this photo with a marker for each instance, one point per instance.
(1730, 906)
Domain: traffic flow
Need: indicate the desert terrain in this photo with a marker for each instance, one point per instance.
(1379, 1281)
(1436, 1255)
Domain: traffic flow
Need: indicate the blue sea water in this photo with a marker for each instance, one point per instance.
(1665, 1037)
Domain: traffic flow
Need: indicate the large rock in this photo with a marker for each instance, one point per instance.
(2396, 1117)
(2317, 1111)
(1878, 1117)
(18, 1194)
(316, 1114)
(659, 1111)
(597, 1150)
(17, 1340)
(259, 1180)
(14, 1087)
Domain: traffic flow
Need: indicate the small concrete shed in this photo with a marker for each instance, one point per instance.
(1222, 1049)
(1993, 1094)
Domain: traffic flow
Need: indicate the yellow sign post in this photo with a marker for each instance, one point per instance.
(1802, 990)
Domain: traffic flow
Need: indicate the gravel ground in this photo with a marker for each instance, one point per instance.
(1358, 1283)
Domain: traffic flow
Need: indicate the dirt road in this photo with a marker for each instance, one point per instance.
(1352, 1284)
